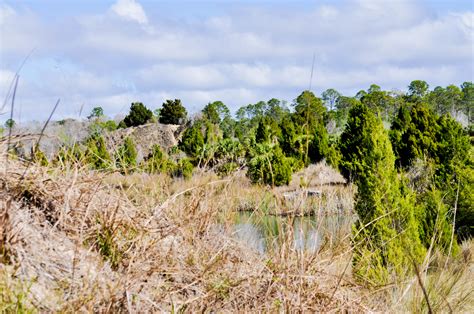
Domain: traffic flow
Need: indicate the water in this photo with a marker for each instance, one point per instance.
(267, 232)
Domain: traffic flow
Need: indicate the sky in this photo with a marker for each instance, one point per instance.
(92, 53)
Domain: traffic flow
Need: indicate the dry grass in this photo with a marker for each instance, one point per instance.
(84, 241)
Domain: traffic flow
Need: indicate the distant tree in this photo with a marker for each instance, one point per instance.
(468, 100)
(139, 114)
(10, 123)
(262, 133)
(417, 90)
(216, 112)
(330, 98)
(96, 112)
(309, 112)
(173, 112)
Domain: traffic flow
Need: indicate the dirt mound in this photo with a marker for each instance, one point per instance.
(145, 136)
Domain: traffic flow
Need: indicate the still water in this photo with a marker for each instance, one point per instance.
(267, 232)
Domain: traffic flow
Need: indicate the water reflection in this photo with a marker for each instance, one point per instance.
(266, 232)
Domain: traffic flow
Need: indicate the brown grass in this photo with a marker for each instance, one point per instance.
(85, 241)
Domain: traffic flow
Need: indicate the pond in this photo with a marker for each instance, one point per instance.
(308, 233)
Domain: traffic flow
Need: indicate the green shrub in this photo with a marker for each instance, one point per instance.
(269, 166)
(97, 155)
(38, 156)
(157, 162)
(318, 147)
(126, 155)
(192, 141)
(184, 168)
(227, 169)
(138, 115)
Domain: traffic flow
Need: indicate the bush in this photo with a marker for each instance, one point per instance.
(269, 166)
(126, 155)
(184, 168)
(192, 140)
(227, 169)
(138, 115)
(157, 162)
(97, 155)
(38, 156)
(173, 112)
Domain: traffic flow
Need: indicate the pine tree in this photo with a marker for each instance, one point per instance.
(385, 236)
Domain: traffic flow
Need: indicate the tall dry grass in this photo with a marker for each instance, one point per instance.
(86, 241)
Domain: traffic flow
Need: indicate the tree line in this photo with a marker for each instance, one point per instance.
(410, 158)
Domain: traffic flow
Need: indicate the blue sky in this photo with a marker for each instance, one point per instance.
(111, 53)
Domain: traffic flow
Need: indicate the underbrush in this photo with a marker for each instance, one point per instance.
(109, 242)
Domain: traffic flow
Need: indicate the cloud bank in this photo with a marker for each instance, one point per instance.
(239, 54)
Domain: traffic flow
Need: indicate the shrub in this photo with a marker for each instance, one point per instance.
(173, 112)
(126, 155)
(269, 166)
(192, 140)
(138, 115)
(157, 162)
(184, 168)
(226, 169)
(97, 155)
(38, 156)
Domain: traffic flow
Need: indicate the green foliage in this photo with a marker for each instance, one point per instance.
(97, 155)
(157, 161)
(417, 90)
(331, 98)
(70, 155)
(10, 123)
(319, 145)
(139, 114)
(413, 134)
(184, 168)
(15, 293)
(268, 165)
(109, 125)
(38, 156)
(173, 112)
(216, 112)
(192, 141)
(434, 226)
(126, 155)
(386, 239)
(227, 168)
(96, 112)
(262, 133)
(333, 155)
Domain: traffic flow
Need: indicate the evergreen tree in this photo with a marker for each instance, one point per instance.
(138, 115)
(96, 154)
(192, 140)
(173, 112)
(385, 236)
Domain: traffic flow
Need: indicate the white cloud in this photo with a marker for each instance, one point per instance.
(6, 12)
(238, 56)
(130, 10)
